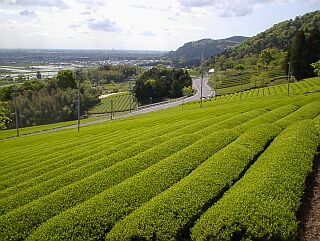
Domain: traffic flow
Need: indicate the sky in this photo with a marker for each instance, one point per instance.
(137, 24)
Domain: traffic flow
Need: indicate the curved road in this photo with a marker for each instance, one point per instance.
(196, 83)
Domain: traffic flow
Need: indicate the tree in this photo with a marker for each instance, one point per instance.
(316, 67)
(187, 91)
(263, 76)
(240, 67)
(297, 56)
(38, 75)
(220, 62)
(254, 80)
(266, 57)
(143, 90)
(65, 79)
(161, 83)
(176, 90)
(312, 51)
(303, 52)
(3, 118)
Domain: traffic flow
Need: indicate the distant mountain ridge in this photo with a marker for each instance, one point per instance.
(209, 47)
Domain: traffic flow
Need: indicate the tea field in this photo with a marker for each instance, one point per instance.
(115, 103)
(232, 170)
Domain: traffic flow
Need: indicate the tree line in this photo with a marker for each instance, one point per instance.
(46, 101)
(49, 100)
(109, 73)
(158, 84)
(303, 52)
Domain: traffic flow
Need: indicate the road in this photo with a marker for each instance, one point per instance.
(196, 84)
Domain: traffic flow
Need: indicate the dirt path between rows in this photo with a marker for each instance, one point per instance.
(309, 228)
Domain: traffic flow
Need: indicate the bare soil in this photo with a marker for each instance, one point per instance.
(309, 217)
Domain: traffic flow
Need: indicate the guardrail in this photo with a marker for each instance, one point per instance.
(165, 102)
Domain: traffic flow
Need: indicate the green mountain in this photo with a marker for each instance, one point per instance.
(209, 47)
(279, 36)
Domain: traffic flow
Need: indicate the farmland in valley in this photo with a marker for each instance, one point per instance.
(232, 170)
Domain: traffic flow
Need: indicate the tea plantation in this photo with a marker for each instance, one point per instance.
(232, 170)
(115, 103)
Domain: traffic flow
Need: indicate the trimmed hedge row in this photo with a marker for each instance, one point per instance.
(200, 124)
(45, 188)
(317, 119)
(82, 190)
(20, 222)
(93, 166)
(45, 146)
(263, 204)
(296, 88)
(89, 160)
(26, 162)
(44, 156)
(42, 164)
(120, 103)
(317, 122)
(23, 162)
(92, 219)
(48, 143)
(168, 215)
(106, 149)
(268, 118)
(308, 111)
(232, 122)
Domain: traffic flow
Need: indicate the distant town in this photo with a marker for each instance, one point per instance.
(26, 63)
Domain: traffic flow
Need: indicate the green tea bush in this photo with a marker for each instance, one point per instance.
(169, 215)
(263, 204)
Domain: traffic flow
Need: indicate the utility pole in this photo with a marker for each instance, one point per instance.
(111, 106)
(182, 104)
(241, 83)
(78, 105)
(289, 78)
(201, 67)
(130, 96)
(15, 109)
(241, 80)
(78, 76)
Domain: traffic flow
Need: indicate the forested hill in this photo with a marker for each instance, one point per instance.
(209, 47)
(279, 36)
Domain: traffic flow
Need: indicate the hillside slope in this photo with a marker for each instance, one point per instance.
(278, 36)
(176, 174)
(209, 47)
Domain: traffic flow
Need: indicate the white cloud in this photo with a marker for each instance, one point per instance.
(151, 7)
(12, 22)
(75, 26)
(196, 3)
(232, 8)
(86, 13)
(27, 13)
(148, 33)
(92, 5)
(43, 3)
(93, 2)
(104, 25)
(137, 24)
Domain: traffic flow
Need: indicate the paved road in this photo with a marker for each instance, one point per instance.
(206, 92)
